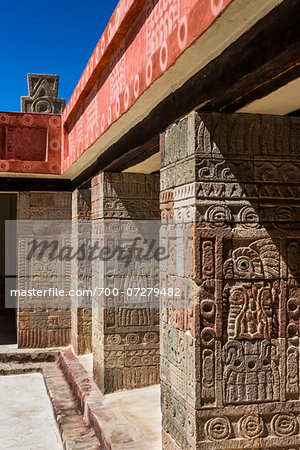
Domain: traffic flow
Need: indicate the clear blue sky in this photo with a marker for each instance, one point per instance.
(53, 36)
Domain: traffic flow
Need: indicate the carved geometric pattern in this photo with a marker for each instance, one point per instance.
(42, 95)
(234, 180)
(125, 339)
(42, 327)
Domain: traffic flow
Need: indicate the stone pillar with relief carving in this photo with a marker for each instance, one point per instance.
(43, 321)
(125, 206)
(81, 335)
(230, 366)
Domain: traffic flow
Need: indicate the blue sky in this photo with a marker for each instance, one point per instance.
(54, 36)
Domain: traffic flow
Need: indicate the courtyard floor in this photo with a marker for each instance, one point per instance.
(49, 401)
(140, 406)
(26, 415)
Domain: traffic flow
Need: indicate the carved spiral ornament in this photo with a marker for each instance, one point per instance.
(4, 118)
(26, 167)
(217, 429)
(54, 122)
(248, 217)
(251, 426)
(54, 144)
(27, 120)
(54, 168)
(218, 215)
(284, 424)
(151, 337)
(4, 166)
(114, 339)
(132, 338)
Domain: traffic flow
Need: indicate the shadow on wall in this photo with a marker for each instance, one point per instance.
(8, 333)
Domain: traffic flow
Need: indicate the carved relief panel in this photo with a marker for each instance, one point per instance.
(251, 371)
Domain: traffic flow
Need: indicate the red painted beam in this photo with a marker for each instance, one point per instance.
(142, 40)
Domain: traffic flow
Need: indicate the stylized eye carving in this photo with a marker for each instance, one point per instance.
(251, 426)
(218, 429)
(243, 264)
(285, 213)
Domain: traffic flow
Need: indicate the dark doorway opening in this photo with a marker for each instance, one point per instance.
(8, 327)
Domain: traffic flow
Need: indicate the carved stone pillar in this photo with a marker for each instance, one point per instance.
(230, 366)
(81, 336)
(125, 338)
(42, 327)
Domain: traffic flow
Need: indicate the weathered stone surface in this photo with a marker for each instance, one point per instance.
(81, 313)
(74, 425)
(42, 97)
(232, 180)
(125, 196)
(125, 339)
(42, 327)
(113, 428)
